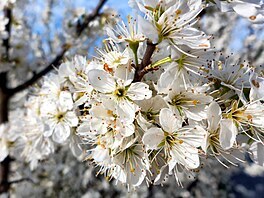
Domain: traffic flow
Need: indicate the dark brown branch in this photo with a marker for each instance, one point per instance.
(5, 165)
(148, 54)
(4, 100)
(8, 14)
(4, 97)
(90, 17)
(21, 180)
(144, 67)
(4, 173)
(56, 62)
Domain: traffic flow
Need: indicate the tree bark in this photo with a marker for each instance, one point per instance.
(5, 165)
(4, 100)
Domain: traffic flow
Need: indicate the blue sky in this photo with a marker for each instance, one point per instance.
(120, 5)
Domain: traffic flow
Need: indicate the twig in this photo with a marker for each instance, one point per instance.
(21, 180)
(146, 62)
(90, 17)
(8, 14)
(55, 63)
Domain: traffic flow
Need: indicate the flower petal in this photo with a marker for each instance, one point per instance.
(61, 133)
(214, 115)
(228, 132)
(153, 137)
(139, 91)
(170, 121)
(101, 81)
(257, 149)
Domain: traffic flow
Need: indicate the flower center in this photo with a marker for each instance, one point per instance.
(60, 117)
(181, 100)
(120, 93)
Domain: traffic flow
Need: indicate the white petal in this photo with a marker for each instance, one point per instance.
(98, 125)
(142, 122)
(192, 135)
(99, 111)
(245, 9)
(71, 119)
(101, 81)
(85, 130)
(48, 132)
(191, 37)
(257, 149)
(153, 137)
(75, 146)
(160, 177)
(139, 91)
(61, 133)
(214, 115)
(100, 154)
(65, 99)
(135, 178)
(205, 143)
(172, 163)
(228, 132)
(148, 29)
(186, 155)
(126, 110)
(126, 73)
(127, 130)
(166, 78)
(170, 121)
(197, 113)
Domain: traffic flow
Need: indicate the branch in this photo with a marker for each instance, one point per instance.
(90, 17)
(21, 180)
(8, 14)
(4, 98)
(146, 62)
(4, 174)
(57, 61)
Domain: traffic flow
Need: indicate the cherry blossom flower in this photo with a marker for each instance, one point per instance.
(179, 143)
(60, 119)
(190, 102)
(175, 28)
(119, 92)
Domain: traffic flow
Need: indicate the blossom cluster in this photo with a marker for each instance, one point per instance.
(158, 100)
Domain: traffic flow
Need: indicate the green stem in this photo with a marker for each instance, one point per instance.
(134, 47)
(162, 61)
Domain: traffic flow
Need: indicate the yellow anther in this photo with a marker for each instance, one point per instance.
(178, 12)
(252, 17)
(195, 102)
(249, 117)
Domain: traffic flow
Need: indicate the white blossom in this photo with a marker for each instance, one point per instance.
(119, 92)
(179, 143)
